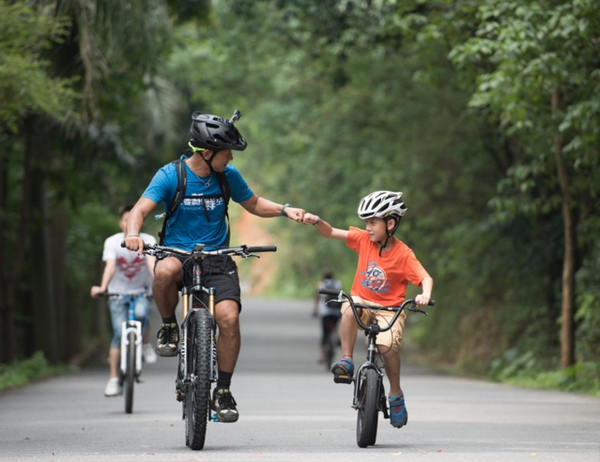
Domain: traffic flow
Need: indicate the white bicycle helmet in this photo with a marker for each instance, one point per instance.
(382, 204)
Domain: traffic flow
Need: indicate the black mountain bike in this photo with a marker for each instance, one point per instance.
(197, 368)
(369, 392)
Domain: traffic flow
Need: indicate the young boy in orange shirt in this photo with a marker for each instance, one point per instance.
(385, 267)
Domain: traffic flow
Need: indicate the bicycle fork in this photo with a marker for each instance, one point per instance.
(370, 363)
(126, 328)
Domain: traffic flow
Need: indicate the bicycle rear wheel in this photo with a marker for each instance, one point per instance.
(130, 372)
(197, 396)
(366, 425)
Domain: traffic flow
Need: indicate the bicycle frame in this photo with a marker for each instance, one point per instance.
(370, 363)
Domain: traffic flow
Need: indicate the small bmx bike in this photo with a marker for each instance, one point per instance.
(369, 393)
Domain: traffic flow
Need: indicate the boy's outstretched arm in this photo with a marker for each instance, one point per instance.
(424, 297)
(324, 228)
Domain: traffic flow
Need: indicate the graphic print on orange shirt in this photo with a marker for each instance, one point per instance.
(375, 278)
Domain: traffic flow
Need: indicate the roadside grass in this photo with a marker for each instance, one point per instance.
(580, 378)
(525, 370)
(28, 370)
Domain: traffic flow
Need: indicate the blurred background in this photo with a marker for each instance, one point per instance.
(485, 113)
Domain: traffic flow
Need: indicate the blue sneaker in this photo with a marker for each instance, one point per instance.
(343, 371)
(398, 412)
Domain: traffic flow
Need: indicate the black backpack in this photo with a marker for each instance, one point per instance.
(332, 284)
(180, 194)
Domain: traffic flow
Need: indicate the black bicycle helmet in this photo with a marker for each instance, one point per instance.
(215, 133)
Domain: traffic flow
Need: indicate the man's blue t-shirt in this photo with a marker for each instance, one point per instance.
(200, 219)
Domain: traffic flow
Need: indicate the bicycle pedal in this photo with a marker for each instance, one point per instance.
(342, 379)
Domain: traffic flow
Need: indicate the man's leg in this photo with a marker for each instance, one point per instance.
(167, 275)
(229, 340)
(228, 350)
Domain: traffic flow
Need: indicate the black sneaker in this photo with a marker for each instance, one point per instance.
(224, 404)
(168, 339)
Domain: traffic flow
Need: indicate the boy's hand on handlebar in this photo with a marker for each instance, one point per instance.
(422, 299)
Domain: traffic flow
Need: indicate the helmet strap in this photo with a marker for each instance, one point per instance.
(385, 243)
(389, 233)
(209, 161)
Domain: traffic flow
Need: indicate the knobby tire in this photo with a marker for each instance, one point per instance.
(197, 397)
(130, 372)
(366, 426)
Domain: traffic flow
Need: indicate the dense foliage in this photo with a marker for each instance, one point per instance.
(485, 114)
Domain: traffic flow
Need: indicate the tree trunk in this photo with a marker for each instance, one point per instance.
(3, 308)
(567, 333)
(13, 253)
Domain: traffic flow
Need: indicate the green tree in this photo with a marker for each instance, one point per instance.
(110, 56)
(537, 73)
(27, 89)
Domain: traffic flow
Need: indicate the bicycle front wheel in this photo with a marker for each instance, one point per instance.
(197, 397)
(366, 427)
(130, 372)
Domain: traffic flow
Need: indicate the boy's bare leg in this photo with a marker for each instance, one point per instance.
(391, 361)
(348, 333)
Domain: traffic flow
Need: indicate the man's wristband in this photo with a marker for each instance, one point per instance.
(282, 211)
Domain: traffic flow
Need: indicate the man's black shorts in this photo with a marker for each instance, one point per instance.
(219, 272)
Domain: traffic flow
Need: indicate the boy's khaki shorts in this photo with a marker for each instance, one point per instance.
(391, 338)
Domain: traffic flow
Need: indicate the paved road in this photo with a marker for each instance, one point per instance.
(292, 411)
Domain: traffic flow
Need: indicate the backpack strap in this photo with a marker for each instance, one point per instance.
(226, 192)
(179, 194)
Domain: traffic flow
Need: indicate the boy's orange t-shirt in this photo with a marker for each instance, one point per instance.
(383, 280)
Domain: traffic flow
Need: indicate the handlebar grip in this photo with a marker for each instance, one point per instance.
(431, 302)
(262, 248)
(146, 245)
(329, 291)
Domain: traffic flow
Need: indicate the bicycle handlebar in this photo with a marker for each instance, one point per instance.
(410, 304)
(118, 294)
(200, 250)
(342, 293)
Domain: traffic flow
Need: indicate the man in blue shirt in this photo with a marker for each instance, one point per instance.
(201, 219)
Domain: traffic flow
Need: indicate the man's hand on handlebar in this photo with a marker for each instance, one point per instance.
(135, 243)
